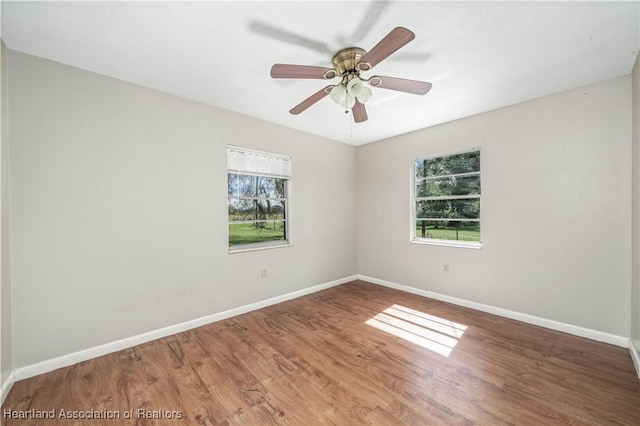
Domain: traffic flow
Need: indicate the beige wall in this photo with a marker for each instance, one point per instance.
(6, 345)
(635, 252)
(119, 210)
(556, 209)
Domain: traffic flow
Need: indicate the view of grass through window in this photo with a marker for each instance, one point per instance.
(257, 209)
(447, 197)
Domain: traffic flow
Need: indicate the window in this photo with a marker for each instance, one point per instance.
(446, 202)
(258, 204)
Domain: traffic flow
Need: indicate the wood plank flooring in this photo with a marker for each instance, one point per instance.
(355, 354)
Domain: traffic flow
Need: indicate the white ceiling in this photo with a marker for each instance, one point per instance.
(478, 55)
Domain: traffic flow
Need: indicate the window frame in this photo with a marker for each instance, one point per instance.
(286, 201)
(414, 238)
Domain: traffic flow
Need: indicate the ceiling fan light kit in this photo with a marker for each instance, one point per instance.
(352, 92)
(351, 88)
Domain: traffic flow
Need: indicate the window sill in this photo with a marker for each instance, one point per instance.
(259, 246)
(448, 243)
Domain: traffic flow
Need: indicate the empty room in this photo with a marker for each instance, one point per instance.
(328, 212)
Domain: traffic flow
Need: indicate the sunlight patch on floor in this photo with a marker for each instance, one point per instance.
(428, 331)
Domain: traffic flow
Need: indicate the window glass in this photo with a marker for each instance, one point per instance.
(447, 195)
(257, 200)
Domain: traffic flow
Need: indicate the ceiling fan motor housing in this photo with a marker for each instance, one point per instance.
(346, 61)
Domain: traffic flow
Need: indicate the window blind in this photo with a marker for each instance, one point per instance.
(249, 162)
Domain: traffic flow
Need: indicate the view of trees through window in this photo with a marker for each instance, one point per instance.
(257, 209)
(447, 197)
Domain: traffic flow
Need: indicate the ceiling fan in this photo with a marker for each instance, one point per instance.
(348, 64)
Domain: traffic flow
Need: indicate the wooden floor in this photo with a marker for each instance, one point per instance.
(335, 357)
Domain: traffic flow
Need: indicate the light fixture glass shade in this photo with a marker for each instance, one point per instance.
(365, 94)
(346, 95)
(338, 93)
(355, 86)
(349, 101)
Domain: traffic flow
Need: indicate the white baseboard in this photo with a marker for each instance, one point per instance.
(635, 355)
(530, 319)
(86, 354)
(6, 387)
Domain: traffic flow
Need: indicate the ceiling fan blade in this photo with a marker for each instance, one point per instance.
(311, 100)
(359, 112)
(301, 71)
(393, 41)
(400, 84)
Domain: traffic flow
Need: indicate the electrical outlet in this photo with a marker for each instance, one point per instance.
(445, 268)
(264, 273)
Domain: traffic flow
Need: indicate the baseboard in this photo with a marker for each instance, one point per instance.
(86, 354)
(635, 355)
(530, 319)
(6, 387)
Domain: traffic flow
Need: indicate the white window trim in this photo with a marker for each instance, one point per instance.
(266, 245)
(448, 243)
(413, 238)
